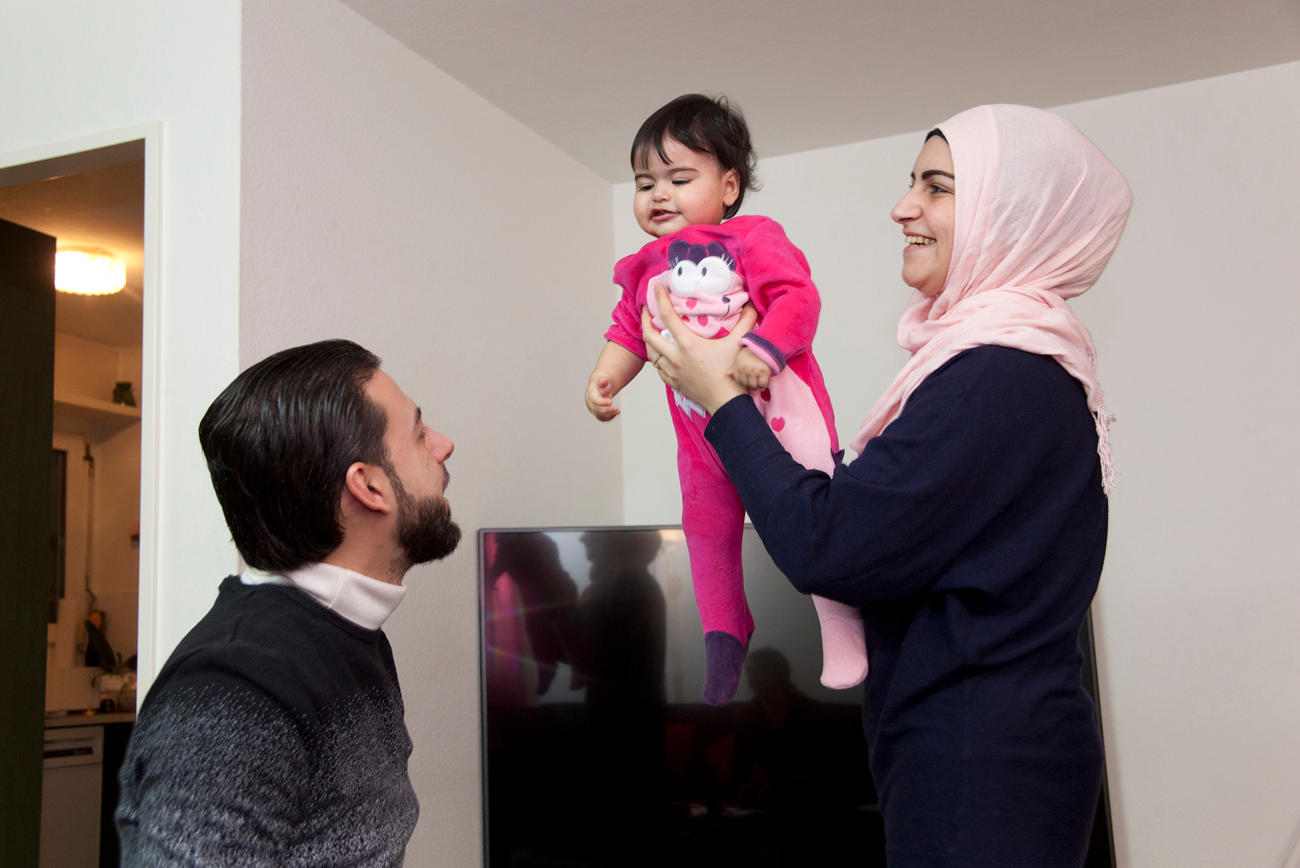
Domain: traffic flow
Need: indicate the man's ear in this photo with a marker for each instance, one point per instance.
(369, 486)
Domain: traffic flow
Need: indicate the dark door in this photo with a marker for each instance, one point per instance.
(26, 537)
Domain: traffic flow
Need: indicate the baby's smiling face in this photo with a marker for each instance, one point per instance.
(687, 189)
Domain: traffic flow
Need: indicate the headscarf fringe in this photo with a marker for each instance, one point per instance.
(1103, 450)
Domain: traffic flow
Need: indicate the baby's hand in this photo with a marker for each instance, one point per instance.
(750, 371)
(600, 398)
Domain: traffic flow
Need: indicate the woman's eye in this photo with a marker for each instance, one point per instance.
(935, 189)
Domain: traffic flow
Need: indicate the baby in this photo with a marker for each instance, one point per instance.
(693, 162)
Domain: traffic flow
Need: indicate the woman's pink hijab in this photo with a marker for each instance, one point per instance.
(1039, 211)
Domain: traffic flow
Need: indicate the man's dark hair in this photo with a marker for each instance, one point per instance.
(279, 441)
(704, 124)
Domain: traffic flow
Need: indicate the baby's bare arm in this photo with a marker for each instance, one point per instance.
(615, 368)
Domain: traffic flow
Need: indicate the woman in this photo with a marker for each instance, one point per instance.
(971, 528)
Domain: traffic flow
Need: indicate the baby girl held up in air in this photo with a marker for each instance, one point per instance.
(693, 162)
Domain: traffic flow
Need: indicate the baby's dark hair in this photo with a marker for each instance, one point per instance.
(705, 124)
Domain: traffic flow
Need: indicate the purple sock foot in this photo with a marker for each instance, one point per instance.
(723, 657)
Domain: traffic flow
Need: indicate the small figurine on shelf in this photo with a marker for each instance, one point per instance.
(122, 393)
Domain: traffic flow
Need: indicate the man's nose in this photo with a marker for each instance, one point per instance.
(441, 446)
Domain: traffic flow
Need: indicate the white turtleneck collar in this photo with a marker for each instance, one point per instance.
(364, 601)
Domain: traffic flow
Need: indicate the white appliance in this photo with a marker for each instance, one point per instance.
(70, 796)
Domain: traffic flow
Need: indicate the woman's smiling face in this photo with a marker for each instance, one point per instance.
(927, 214)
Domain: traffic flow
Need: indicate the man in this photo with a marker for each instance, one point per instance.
(275, 733)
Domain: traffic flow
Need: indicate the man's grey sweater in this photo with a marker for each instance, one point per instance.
(274, 735)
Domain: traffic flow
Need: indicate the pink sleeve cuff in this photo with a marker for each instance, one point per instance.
(764, 350)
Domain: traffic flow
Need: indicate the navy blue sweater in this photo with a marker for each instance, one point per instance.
(971, 532)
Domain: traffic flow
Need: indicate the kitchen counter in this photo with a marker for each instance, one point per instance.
(87, 717)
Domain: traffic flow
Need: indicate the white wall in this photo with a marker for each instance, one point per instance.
(1195, 321)
(384, 202)
(1195, 331)
(124, 65)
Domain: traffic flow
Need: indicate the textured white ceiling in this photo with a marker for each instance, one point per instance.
(584, 73)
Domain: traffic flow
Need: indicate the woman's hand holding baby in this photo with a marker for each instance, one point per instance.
(699, 368)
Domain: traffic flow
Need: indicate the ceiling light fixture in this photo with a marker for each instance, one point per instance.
(88, 271)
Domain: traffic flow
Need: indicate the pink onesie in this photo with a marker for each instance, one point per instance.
(710, 272)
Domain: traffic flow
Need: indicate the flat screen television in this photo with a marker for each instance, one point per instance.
(597, 749)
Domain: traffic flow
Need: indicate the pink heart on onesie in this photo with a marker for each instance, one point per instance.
(691, 302)
(766, 395)
(777, 424)
(703, 320)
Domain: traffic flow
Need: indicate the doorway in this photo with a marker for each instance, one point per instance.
(95, 192)
(92, 199)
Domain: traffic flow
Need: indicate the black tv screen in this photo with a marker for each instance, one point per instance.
(597, 749)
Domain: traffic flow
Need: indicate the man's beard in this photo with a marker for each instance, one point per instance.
(425, 530)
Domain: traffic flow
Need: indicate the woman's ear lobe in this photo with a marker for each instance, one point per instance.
(368, 485)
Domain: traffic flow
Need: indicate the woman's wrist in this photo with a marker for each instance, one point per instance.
(729, 421)
(725, 390)
(729, 399)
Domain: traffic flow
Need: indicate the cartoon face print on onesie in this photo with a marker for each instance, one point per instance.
(702, 271)
(704, 286)
(687, 189)
(927, 213)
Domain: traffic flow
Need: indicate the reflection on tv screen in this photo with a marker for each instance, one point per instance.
(597, 747)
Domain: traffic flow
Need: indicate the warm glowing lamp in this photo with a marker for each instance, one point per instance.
(88, 272)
